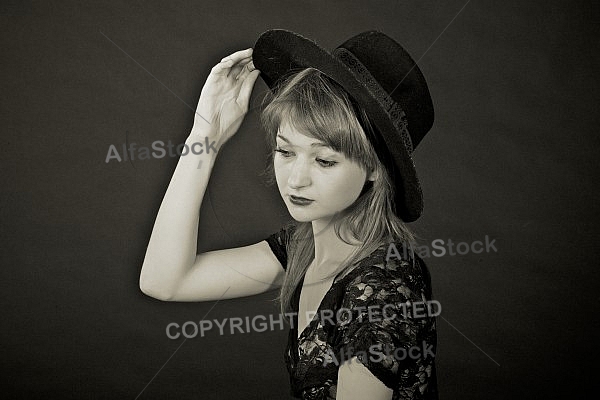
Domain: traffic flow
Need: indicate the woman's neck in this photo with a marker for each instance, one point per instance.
(329, 249)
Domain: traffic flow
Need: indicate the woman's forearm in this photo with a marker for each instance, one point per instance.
(172, 246)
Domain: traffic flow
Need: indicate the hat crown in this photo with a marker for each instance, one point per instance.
(397, 74)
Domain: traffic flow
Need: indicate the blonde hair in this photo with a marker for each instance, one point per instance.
(318, 107)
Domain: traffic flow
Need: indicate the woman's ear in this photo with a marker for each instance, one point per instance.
(373, 175)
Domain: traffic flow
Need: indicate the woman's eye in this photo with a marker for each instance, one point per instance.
(284, 153)
(325, 163)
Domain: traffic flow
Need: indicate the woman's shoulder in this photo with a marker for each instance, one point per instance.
(390, 270)
(278, 242)
(383, 310)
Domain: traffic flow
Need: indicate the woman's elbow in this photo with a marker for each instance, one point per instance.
(155, 291)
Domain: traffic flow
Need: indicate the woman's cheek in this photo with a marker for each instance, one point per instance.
(344, 190)
(280, 174)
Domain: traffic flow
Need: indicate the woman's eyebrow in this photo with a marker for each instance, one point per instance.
(280, 136)
(315, 144)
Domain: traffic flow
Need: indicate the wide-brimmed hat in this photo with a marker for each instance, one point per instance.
(382, 78)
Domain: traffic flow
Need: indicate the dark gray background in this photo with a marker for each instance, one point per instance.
(511, 155)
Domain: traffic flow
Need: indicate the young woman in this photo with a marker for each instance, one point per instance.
(356, 294)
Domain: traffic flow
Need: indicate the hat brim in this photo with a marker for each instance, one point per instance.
(279, 53)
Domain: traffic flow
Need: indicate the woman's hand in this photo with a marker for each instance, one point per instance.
(225, 96)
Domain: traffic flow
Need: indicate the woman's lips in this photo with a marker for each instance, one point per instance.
(300, 201)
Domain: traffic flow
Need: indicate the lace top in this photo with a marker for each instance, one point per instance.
(378, 313)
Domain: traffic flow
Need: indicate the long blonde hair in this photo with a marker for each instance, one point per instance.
(318, 107)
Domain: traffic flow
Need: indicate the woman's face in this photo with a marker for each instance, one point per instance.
(315, 181)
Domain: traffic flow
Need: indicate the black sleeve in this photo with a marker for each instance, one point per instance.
(278, 243)
(385, 340)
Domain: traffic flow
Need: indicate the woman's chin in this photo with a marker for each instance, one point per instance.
(304, 216)
(301, 215)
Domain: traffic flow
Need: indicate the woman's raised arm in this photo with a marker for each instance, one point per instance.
(171, 269)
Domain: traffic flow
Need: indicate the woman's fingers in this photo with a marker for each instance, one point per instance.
(246, 68)
(232, 59)
(238, 68)
(222, 68)
(240, 74)
(239, 55)
(231, 66)
(246, 89)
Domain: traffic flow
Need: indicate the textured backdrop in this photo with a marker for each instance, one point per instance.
(512, 156)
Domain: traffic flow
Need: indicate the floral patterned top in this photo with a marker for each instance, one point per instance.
(381, 313)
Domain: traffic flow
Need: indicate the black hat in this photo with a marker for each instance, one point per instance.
(381, 77)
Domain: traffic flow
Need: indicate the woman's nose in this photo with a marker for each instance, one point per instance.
(299, 174)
